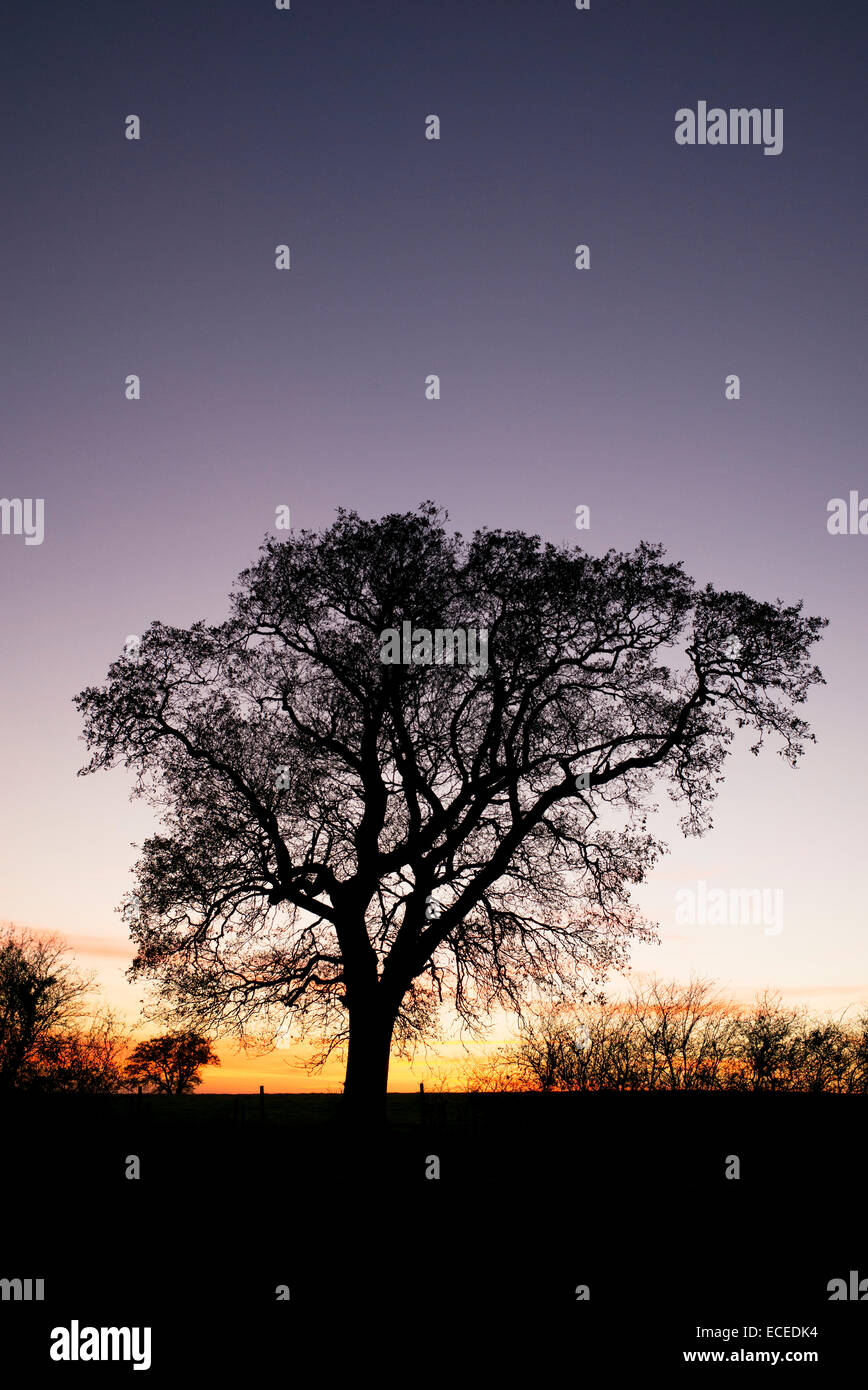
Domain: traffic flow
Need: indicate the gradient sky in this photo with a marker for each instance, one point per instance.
(411, 257)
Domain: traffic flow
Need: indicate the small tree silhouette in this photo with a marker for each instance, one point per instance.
(170, 1063)
(41, 996)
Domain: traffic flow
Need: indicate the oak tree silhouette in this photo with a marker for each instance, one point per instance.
(317, 802)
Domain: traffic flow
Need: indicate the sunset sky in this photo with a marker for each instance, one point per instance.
(559, 387)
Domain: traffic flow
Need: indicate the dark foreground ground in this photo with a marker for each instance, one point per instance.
(402, 1277)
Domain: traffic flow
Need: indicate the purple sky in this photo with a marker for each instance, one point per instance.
(411, 257)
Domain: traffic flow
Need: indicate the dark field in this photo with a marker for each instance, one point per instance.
(537, 1195)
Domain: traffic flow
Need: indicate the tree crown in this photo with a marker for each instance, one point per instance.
(339, 828)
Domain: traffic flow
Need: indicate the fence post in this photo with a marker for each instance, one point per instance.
(262, 1104)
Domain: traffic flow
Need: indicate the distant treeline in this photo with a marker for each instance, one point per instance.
(676, 1037)
(53, 1037)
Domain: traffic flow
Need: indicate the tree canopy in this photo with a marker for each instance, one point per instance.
(349, 842)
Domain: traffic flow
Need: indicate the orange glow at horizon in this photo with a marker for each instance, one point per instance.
(282, 1071)
(444, 1062)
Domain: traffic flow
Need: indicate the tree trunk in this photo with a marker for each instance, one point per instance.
(368, 1055)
